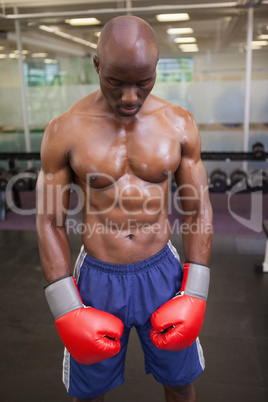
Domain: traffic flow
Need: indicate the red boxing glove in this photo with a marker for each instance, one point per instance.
(89, 335)
(177, 323)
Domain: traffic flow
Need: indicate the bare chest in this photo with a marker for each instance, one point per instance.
(150, 154)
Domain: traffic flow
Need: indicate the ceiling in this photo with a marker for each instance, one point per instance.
(217, 25)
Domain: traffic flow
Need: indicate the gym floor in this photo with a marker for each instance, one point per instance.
(234, 335)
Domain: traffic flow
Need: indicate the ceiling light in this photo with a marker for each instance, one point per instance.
(62, 34)
(185, 40)
(172, 17)
(23, 52)
(97, 34)
(82, 21)
(263, 37)
(3, 56)
(15, 56)
(176, 31)
(50, 61)
(2, 47)
(47, 29)
(259, 43)
(189, 48)
(188, 45)
(39, 55)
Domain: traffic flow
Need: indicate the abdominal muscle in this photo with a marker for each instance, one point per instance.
(125, 218)
(118, 237)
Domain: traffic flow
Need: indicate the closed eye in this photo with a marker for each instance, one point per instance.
(114, 82)
(143, 83)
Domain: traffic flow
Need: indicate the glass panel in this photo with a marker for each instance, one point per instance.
(208, 80)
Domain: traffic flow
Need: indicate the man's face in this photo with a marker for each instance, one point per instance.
(126, 81)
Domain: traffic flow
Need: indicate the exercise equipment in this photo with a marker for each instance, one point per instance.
(261, 181)
(239, 180)
(26, 181)
(258, 151)
(264, 182)
(3, 179)
(3, 185)
(228, 156)
(16, 180)
(20, 184)
(218, 181)
(32, 179)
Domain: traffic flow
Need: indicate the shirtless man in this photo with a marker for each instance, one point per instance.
(120, 146)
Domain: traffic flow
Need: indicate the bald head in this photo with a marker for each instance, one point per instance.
(126, 60)
(128, 34)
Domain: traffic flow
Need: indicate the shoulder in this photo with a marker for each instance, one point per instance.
(63, 132)
(54, 147)
(85, 105)
(172, 110)
(57, 129)
(180, 118)
(57, 138)
(67, 123)
(183, 125)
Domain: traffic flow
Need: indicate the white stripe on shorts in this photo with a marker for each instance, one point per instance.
(200, 354)
(173, 250)
(66, 369)
(79, 263)
(66, 356)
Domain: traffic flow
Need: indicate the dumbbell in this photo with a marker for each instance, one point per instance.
(26, 180)
(3, 179)
(258, 150)
(264, 182)
(32, 179)
(259, 183)
(218, 181)
(239, 179)
(21, 183)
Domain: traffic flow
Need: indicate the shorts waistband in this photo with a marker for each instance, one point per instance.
(128, 268)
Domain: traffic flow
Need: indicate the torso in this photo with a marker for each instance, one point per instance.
(123, 167)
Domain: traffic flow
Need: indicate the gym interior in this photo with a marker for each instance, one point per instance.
(213, 62)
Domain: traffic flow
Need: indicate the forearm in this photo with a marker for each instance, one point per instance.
(197, 236)
(54, 249)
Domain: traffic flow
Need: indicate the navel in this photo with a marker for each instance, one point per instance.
(130, 236)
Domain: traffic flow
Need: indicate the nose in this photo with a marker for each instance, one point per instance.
(129, 95)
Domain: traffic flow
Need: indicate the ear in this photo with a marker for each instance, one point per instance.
(96, 63)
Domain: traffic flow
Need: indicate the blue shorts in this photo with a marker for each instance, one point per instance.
(132, 293)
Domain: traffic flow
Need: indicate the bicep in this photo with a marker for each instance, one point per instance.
(191, 176)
